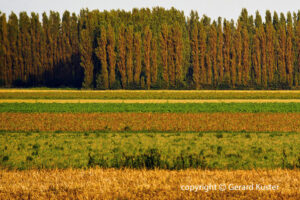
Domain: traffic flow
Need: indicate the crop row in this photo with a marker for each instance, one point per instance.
(166, 107)
(149, 95)
(161, 122)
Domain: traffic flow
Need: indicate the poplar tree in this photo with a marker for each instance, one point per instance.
(259, 53)
(297, 76)
(171, 58)
(154, 66)
(233, 59)
(257, 50)
(202, 52)
(226, 52)
(289, 50)
(26, 53)
(147, 49)
(129, 55)
(102, 77)
(245, 57)
(138, 59)
(238, 47)
(195, 56)
(122, 56)
(55, 29)
(86, 63)
(164, 53)
(212, 43)
(13, 32)
(66, 48)
(111, 55)
(75, 59)
(262, 38)
(220, 52)
(270, 36)
(48, 53)
(2, 60)
(178, 53)
(35, 32)
(282, 50)
(256, 58)
(6, 74)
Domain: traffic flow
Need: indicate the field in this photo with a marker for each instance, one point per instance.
(148, 184)
(157, 142)
(150, 150)
(150, 122)
(141, 95)
(150, 107)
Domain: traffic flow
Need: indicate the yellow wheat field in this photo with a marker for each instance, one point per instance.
(143, 184)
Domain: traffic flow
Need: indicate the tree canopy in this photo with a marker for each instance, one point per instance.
(149, 49)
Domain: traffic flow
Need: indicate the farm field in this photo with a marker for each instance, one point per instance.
(150, 122)
(146, 184)
(150, 150)
(130, 100)
(149, 101)
(150, 107)
(71, 148)
(135, 94)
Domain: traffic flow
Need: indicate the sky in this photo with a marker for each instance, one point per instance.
(229, 9)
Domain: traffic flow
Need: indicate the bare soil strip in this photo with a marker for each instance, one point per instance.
(149, 100)
(173, 122)
(149, 184)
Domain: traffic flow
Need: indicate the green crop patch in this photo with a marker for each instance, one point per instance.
(149, 150)
(160, 108)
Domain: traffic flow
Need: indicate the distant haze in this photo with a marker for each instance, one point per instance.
(229, 9)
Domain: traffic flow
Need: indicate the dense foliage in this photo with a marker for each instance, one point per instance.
(149, 49)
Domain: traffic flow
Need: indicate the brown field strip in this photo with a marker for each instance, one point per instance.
(149, 100)
(151, 184)
(154, 91)
(256, 122)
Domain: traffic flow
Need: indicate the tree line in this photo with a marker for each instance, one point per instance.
(149, 49)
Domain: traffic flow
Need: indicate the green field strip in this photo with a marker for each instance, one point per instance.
(149, 150)
(160, 108)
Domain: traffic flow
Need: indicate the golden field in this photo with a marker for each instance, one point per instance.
(274, 95)
(252, 122)
(146, 184)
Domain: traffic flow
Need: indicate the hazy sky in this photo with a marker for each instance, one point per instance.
(212, 8)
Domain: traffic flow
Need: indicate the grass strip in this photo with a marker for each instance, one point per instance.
(154, 108)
